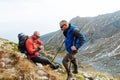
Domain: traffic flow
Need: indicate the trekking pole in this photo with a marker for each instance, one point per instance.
(57, 52)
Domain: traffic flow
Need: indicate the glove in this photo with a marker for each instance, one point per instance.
(74, 52)
(38, 49)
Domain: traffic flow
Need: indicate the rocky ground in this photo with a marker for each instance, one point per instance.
(15, 66)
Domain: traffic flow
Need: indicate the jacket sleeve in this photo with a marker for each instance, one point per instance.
(79, 38)
(29, 46)
(39, 42)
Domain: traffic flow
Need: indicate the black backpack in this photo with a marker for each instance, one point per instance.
(21, 43)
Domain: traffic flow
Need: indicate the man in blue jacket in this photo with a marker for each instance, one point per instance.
(74, 39)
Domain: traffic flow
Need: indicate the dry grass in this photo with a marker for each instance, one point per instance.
(52, 74)
(29, 70)
(117, 77)
(23, 69)
(20, 68)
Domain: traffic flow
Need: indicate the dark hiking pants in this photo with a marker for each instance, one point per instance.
(41, 59)
(69, 57)
(44, 61)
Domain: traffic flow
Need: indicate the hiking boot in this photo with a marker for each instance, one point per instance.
(75, 72)
(55, 66)
(69, 76)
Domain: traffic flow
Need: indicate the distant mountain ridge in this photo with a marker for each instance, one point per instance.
(102, 50)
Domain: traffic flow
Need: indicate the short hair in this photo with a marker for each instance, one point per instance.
(35, 32)
(63, 22)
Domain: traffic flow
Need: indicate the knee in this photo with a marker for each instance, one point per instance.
(47, 61)
(64, 61)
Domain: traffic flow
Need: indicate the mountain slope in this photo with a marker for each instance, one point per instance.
(102, 48)
(15, 66)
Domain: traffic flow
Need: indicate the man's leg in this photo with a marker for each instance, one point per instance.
(38, 59)
(44, 61)
(75, 65)
(65, 62)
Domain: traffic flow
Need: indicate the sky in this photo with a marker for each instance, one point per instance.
(27, 16)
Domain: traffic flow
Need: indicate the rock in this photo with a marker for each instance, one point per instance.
(44, 78)
(41, 72)
(73, 79)
(88, 76)
(86, 79)
(2, 64)
(6, 60)
(39, 65)
(11, 70)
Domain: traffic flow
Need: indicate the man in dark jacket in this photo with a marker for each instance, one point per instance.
(74, 39)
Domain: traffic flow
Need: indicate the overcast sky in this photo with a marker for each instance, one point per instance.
(44, 16)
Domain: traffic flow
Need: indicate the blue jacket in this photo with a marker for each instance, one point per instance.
(73, 37)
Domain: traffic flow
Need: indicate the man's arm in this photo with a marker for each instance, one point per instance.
(40, 45)
(79, 38)
(39, 42)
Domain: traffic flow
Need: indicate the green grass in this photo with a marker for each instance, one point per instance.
(13, 45)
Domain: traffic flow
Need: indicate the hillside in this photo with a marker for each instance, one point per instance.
(15, 66)
(102, 48)
(101, 51)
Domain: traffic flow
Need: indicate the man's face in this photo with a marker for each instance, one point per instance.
(64, 27)
(37, 35)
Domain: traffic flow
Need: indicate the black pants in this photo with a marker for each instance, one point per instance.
(41, 59)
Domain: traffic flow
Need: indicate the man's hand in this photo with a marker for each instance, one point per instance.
(38, 49)
(73, 48)
(41, 48)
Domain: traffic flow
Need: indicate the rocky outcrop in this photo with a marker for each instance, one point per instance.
(15, 66)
